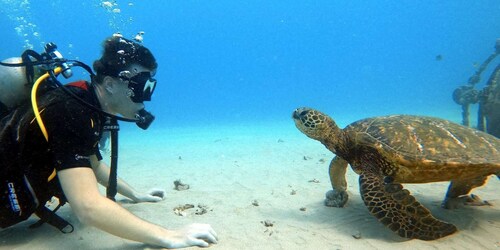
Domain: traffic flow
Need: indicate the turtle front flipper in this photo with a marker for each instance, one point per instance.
(337, 197)
(398, 210)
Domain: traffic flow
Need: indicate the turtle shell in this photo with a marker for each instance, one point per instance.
(426, 141)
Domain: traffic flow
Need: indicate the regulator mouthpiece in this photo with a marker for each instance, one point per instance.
(144, 119)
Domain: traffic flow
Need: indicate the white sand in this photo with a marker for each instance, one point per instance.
(229, 168)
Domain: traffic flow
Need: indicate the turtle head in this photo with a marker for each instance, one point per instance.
(314, 124)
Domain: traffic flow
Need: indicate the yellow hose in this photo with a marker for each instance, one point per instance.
(35, 104)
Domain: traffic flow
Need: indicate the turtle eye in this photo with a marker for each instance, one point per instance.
(303, 113)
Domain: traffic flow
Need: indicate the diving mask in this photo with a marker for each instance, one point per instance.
(142, 86)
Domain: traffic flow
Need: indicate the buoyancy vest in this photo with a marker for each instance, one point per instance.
(19, 201)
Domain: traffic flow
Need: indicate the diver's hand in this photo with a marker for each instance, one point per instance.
(153, 195)
(192, 235)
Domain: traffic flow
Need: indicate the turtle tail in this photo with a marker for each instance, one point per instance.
(397, 209)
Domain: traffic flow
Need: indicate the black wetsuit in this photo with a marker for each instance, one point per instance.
(73, 130)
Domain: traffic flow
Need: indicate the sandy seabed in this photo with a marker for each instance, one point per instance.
(233, 169)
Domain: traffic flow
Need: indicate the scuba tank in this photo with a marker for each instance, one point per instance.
(17, 74)
(14, 86)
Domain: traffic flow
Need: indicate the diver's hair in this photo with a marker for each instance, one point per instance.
(119, 53)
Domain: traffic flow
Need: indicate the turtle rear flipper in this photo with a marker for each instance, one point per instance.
(398, 210)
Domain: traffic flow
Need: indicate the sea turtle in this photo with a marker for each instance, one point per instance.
(389, 150)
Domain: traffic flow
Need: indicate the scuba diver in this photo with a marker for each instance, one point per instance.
(488, 117)
(49, 147)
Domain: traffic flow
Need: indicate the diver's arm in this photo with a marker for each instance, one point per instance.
(101, 171)
(80, 188)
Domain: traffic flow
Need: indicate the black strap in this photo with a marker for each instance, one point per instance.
(30, 71)
(49, 216)
(112, 126)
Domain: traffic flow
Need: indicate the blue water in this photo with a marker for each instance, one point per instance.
(233, 62)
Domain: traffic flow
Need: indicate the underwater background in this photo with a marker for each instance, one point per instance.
(253, 62)
(231, 73)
